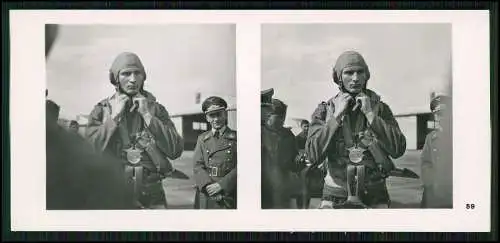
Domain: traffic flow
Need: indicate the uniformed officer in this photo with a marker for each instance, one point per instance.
(278, 153)
(215, 159)
(436, 157)
(357, 134)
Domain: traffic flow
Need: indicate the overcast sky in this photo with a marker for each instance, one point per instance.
(180, 60)
(406, 62)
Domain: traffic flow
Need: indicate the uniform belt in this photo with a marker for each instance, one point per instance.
(215, 171)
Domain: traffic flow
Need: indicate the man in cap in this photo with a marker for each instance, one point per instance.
(73, 126)
(436, 157)
(215, 159)
(302, 136)
(357, 133)
(134, 127)
(278, 153)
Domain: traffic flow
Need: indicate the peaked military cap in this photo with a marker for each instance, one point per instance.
(213, 104)
(440, 102)
(266, 97)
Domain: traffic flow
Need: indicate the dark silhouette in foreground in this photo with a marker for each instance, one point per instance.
(77, 178)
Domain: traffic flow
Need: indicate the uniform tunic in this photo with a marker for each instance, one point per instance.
(215, 160)
(300, 140)
(278, 152)
(437, 170)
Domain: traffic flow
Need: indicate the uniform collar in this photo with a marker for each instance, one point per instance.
(221, 131)
(373, 96)
(149, 96)
(212, 132)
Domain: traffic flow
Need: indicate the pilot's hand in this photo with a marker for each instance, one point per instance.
(213, 189)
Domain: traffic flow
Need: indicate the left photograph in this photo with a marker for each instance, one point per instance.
(141, 116)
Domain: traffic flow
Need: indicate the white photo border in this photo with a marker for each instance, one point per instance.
(472, 128)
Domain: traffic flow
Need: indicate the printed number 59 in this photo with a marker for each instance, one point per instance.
(470, 206)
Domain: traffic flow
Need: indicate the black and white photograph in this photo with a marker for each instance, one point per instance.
(356, 116)
(141, 116)
(213, 121)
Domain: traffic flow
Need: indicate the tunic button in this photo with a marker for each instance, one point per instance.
(229, 151)
(208, 151)
(230, 144)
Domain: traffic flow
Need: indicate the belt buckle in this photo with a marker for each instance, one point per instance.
(213, 171)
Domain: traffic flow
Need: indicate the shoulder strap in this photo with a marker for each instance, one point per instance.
(229, 134)
(378, 153)
(206, 135)
(346, 129)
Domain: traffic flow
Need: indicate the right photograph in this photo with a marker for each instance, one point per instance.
(356, 116)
